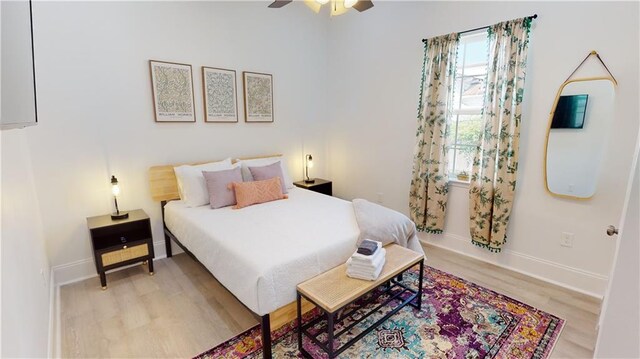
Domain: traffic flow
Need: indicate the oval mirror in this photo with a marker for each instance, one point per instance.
(579, 127)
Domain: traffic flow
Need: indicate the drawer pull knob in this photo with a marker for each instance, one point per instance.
(123, 239)
(124, 247)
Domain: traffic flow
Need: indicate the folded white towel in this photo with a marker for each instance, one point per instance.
(359, 258)
(356, 254)
(367, 275)
(363, 270)
(366, 265)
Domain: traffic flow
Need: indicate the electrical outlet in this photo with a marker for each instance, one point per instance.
(570, 188)
(379, 197)
(566, 240)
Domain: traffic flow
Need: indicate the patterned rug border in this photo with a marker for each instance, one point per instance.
(279, 334)
(556, 333)
(492, 291)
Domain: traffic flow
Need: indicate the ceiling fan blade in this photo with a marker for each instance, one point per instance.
(279, 3)
(363, 5)
(313, 5)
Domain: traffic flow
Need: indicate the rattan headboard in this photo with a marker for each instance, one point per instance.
(163, 183)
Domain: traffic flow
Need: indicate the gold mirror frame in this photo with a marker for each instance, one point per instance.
(546, 144)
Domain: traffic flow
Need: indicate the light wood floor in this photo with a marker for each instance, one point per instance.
(182, 310)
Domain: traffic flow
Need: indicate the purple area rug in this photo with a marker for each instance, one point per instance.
(458, 319)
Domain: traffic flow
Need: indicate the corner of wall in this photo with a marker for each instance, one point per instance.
(26, 292)
(54, 322)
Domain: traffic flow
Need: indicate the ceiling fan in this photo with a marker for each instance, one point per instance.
(338, 7)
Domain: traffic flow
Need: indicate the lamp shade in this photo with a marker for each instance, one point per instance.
(115, 188)
(349, 3)
(338, 8)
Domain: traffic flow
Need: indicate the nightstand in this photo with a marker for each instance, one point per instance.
(121, 242)
(319, 185)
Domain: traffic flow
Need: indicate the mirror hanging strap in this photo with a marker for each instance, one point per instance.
(593, 53)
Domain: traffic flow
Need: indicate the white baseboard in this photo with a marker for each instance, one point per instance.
(85, 268)
(576, 279)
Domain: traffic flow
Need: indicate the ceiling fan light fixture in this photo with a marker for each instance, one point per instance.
(338, 7)
(349, 3)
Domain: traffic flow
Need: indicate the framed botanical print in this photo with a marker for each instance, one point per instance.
(258, 97)
(220, 95)
(172, 89)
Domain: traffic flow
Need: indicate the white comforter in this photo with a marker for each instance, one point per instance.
(260, 253)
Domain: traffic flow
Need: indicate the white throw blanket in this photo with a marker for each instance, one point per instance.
(385, 225)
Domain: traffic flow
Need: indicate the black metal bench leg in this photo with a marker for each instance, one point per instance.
(420, 284)
(265, 322)
(330, 327)
(299, 309)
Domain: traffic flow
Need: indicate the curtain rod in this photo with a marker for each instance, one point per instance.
(534, 16)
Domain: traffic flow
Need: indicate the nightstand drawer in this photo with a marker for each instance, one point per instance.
(106, 237)
(125, 254)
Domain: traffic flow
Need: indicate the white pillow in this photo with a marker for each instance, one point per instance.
(191, 184)
(258, 162)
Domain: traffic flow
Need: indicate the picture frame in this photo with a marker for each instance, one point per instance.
(258, 97)
(172, 91)
(220, 95)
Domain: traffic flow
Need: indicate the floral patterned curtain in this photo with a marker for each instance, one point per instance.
(429, 184)
(493, 179)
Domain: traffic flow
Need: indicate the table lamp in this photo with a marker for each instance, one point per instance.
(308, 163)
(115, 189)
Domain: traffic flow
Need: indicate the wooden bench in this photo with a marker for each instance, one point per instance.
(333, 291)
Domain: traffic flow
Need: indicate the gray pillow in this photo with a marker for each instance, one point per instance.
(268, 172)
(220, 195)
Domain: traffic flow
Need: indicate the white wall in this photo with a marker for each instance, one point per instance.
(25, 267)
(374, 70)
(96, 111)
(96, 116)
(619, 332)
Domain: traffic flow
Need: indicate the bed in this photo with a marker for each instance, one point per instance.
(261, 252)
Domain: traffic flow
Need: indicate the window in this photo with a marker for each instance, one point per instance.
(465, 123)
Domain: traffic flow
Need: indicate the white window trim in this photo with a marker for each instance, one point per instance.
(453, 180)
(467, 111)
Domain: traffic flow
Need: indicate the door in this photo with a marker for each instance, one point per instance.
(619, 334)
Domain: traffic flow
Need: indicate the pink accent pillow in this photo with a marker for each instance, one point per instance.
(249, 193)
(220, 195)
(267, 172)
